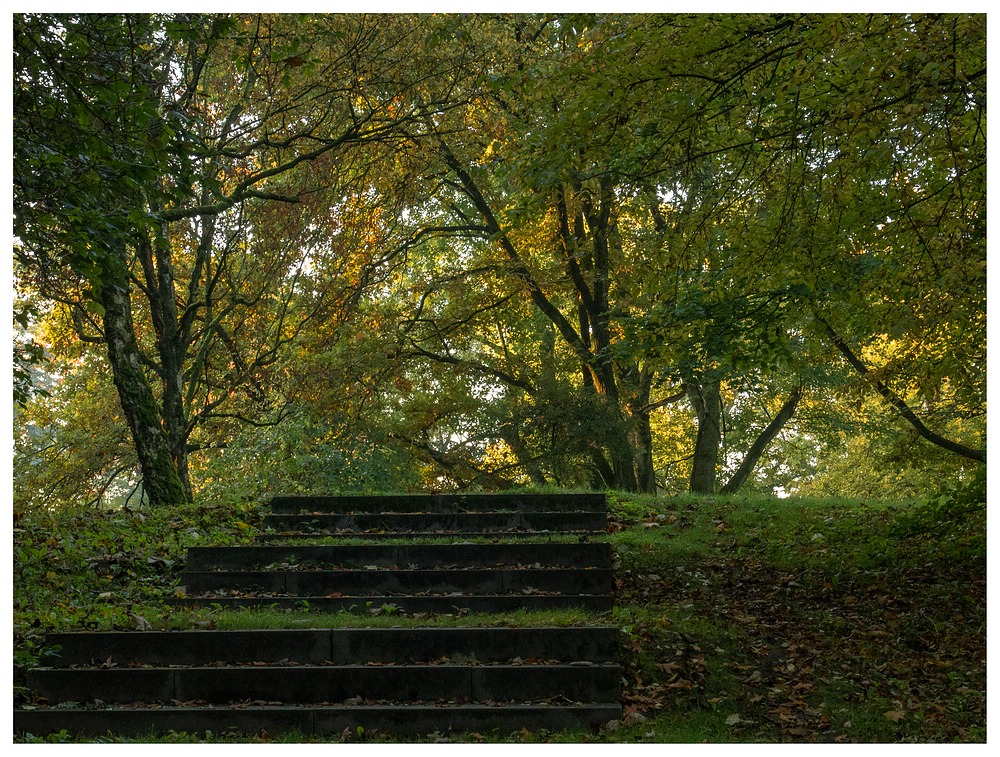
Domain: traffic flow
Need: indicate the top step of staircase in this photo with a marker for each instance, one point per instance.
(440, 503)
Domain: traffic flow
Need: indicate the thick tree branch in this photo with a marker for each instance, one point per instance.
(753, 454)
(472, 365)
(979, 455)
(663, 402)
(543, 303)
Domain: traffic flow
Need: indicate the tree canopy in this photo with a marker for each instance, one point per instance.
(646, 252)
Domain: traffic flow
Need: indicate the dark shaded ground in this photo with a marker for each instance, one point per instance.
(891, 652)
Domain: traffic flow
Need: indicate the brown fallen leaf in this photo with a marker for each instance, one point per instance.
(895, 715)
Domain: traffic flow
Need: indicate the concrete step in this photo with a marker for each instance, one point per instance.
(396, 524)
(440, 503)
(321, 681)
(330, 684)
(341, 646)
(407, 578)
(411, 719)
(377, 536)
(556, 555)
(454, 603)
(365, 582)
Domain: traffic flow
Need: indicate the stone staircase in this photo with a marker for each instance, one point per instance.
(417, 515)
(416, 557)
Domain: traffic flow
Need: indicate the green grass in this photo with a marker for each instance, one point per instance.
(744, 619)
(271, 618)
(811, 620)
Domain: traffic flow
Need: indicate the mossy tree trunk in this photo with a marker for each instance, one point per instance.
(160, 479)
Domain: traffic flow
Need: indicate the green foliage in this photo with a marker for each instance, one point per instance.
(77, 568)
(29, 356)
(80, 174)
(504, 243)
(955, 511)
(71, 445)
(300, 456)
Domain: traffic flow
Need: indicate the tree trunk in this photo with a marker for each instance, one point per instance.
(622, 459)
(169, 345)
(512, 435)
(591, 344)
(602, 475)
(707, 402)
(642, 435)
(752, 456)
(612, 453)
(159, 474)
(645, 471)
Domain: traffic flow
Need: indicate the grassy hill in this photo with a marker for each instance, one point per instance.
(743, 619)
